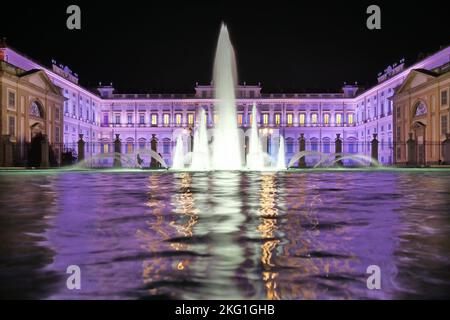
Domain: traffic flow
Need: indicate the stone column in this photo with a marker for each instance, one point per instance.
(411, 146)
(374, 153)
(6, 149)
(301, 147)
(154, 147)
(44, 152)
(117, 152)
(81, 144)
(446, 149)
(338, 149)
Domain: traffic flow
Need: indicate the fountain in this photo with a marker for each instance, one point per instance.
(255, 157)
(281, 161)
(226, 146)
(178, 158)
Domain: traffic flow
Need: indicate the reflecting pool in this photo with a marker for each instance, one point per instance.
(225, 235)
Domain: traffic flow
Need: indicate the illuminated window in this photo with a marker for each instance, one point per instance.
(289, 119)
(250, 119)
(178, 119)
(216, 119)
(350, 118)
(326, 119)
(314, 118)
(154, 120)
(166, 119)
(265, 119)
(239, 119)
(191, 119)
(338, 119)
(277, 119)
(105, 148)
(302, 119)
(129, 147)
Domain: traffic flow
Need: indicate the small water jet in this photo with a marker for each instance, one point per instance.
(178, 158)
(281, 161)
(200, 155)
(255, 157)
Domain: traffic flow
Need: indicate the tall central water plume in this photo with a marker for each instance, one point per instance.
(226, 146)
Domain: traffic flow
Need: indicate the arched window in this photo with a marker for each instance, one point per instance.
(166, 145)
(352, 145)
(420, 109)
(130, 145)
(314, 144)
(326, 145)
(289, 145)
(36, 110)
(142, 142)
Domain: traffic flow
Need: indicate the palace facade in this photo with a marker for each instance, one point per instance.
(355, 114)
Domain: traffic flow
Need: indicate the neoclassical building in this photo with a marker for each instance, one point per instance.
(31, 117)
(421, 117)
(355, 114)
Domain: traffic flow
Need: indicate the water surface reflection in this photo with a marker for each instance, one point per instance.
(225, 235)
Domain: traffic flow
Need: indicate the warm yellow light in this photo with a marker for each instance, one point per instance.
(350, 118)
(289, 119)
(129, 147)
(178, 119)
(239, 119)
(265, 119)
(191, 119)
(277, 119)
(166, 119)
(302, 119)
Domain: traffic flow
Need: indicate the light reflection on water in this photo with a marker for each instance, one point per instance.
(225, 235)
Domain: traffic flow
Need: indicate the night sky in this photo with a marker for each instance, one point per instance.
(167, 46)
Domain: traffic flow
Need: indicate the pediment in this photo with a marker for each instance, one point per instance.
(40, 79)
(416, 78)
